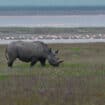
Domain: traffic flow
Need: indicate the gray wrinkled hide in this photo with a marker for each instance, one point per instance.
(30, 52)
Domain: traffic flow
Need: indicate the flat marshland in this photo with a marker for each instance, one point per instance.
(80, 80)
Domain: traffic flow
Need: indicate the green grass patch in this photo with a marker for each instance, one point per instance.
(77, 49)
(2, 77)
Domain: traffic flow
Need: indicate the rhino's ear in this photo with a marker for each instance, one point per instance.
(50, 49)
(57, 51)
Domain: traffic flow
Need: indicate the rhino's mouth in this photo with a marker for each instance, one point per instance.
(56, 63)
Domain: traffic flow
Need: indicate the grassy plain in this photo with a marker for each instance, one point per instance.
(80, 80)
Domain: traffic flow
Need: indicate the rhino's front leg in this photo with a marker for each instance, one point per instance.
(33, 62)
(42, 61)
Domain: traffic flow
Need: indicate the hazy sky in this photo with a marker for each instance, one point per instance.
(52, 2)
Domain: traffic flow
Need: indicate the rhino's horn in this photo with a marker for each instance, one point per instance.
(60, 61)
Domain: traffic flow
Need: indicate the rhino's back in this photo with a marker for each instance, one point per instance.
(29, 49)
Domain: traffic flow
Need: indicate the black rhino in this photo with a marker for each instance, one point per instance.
(31, 52)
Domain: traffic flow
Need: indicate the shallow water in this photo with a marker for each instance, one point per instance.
(60, 41)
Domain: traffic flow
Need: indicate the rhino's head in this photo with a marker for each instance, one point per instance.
(52, 58)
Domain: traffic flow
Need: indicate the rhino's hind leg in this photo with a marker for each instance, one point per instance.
(10, 63)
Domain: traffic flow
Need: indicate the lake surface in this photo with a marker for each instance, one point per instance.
(54, 21)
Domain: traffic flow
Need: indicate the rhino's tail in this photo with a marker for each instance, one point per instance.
(6, 54)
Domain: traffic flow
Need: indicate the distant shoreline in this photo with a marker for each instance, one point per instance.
(53, 34)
